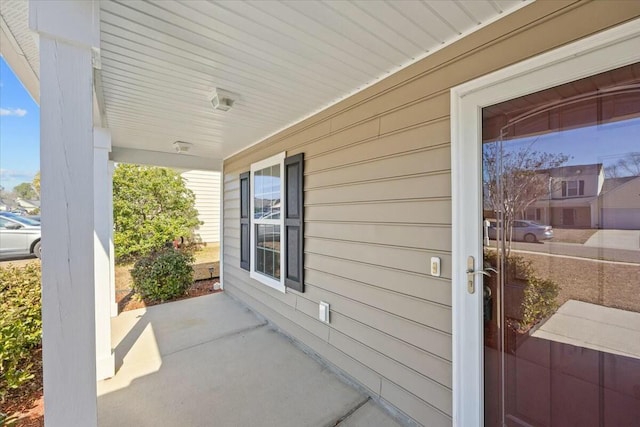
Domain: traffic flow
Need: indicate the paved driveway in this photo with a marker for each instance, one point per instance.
(618, 239)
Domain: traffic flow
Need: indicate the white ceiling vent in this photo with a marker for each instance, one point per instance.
(223, 100)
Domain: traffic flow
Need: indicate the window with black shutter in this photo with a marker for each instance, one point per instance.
(245, 220)
(294, 221)
(272, 222)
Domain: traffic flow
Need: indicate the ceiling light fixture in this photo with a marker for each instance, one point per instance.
(223, 100)
(181, 146)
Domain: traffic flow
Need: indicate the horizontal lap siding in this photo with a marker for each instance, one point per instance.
(206, 187)
(378, 207)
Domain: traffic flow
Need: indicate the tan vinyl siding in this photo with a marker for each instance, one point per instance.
(378, 206)
(206, 186)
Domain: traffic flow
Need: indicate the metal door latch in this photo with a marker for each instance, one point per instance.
(471, 273)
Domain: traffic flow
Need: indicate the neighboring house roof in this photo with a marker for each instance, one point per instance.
(623, 195)
(612, 183)
(573, 170)
(30, 204)
(7, 203)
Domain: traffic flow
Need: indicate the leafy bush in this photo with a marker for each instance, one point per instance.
(7, 421)
(163, 275)
(539, 300)
(539, 296)
(20, 325)
(151, 206)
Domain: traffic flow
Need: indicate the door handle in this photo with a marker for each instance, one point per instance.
(472, 273)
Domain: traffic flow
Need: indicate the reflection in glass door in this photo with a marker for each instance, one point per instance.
(561, 217)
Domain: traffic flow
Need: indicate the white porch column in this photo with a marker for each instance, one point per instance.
(104, 298)
(67, 31)
(112, 255)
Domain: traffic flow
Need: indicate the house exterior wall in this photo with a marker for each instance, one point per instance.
(618, 208)
(592, 184)
(582, 217)
(206, 186)
(378, 206)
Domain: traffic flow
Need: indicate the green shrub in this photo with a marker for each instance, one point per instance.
(20, 325)
(151, 206)
(8, 421)
(539, 300)
(540, 295)
(163, 275)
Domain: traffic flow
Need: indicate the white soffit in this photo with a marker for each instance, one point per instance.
(162, 60)
(18, 45)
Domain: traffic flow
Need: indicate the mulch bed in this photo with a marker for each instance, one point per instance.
(27, 403)
(127, 300)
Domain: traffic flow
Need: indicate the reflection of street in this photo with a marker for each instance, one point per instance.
(578, 250)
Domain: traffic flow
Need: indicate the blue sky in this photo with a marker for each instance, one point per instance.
(604, 144)
(19, 131)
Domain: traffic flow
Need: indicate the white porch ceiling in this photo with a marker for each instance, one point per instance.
(161, 60)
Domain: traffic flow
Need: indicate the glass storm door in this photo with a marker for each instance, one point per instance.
(562, 309)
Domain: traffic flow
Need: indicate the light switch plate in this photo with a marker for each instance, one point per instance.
(323, 314)
(435, 266)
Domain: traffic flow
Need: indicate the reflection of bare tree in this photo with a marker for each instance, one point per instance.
(627, 166)
(514, 179)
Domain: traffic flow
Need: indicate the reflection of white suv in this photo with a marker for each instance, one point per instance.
(19, 236)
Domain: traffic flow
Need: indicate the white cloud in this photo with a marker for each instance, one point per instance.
(18, 112)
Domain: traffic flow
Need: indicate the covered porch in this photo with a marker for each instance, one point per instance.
(218, 86)
(211, 361)
(188, 85)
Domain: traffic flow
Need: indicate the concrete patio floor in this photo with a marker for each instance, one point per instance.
(209, 361)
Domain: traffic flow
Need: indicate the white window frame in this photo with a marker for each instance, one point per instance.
(604, 51)
(575, 182)
(279, 285)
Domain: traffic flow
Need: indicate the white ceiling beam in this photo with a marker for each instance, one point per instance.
(169, 160)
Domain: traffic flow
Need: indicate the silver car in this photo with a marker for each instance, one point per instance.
(523, 230)
(19, 236)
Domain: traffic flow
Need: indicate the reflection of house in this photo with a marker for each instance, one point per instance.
(580, 196)
(618, 205)
(29, 205)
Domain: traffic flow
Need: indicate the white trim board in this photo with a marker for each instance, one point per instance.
(279, 285)
(610, 49)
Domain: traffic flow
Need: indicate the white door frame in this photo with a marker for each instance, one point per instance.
(604, 51)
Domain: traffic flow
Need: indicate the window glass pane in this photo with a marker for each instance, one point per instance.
(267, 193)
(560, 307)
(257, 191)
(268, 250)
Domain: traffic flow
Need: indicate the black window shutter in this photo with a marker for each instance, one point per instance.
(294, 221)
(245, 220)
(581, 190)
(564, 188)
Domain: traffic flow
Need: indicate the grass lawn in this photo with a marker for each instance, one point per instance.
(572, 235)
(607, 284)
